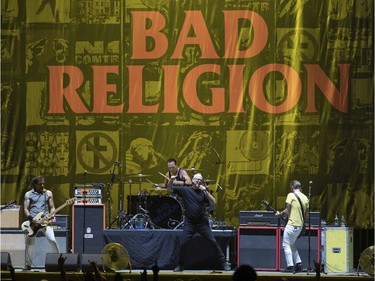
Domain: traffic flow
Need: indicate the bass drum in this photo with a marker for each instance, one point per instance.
(166, 212)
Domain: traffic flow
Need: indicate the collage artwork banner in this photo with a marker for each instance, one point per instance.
(253, 94)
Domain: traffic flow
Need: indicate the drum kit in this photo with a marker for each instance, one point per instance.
(163, 211)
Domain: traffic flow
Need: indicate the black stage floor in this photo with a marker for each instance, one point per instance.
(145, 247)
(187, 275)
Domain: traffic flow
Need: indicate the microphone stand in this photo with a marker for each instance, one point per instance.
(109, 203)
(84, 212)
(309, 248)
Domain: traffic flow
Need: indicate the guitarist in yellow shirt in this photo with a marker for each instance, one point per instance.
(297, 205)
(38, 203)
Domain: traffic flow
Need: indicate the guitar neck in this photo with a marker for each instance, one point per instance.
(70, 201)
(265, 203)
(59, 208)
(272, 209)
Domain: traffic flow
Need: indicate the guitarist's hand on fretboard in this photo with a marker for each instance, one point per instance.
(279, 215)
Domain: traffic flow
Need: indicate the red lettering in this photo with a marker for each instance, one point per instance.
(136, 91)
(170, 89)
(294, 88)
(259, 31)
(101, 89)
(57, 92)
(189, 91)
(195, 20)
(236, 88)
(141, 32)
(338, 98)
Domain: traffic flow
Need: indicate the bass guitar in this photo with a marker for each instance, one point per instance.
(31, 228)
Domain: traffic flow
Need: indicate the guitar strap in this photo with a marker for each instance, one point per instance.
(302, 210)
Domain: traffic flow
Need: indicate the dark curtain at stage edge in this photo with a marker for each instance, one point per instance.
(253, 94)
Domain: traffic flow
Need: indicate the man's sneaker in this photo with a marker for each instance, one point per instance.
(298, 267)
(178, 268)
(289, 269)
(226, 267)
(27, 267)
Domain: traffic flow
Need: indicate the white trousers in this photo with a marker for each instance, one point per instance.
(30, 241)
(289, 240)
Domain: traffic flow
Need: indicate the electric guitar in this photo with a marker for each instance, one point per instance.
(31, 228)
(266, 204)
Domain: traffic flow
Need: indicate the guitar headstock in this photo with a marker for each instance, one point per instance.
(265, 203)
(70, 201)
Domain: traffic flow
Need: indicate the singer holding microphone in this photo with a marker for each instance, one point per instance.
(296, 208)
(195, 198)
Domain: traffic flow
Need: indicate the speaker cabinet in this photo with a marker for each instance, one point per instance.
(87, 228)
(72, 262)
(6, 261)
(86, 260)
(42, 247)
(258, 247)
(302, 245)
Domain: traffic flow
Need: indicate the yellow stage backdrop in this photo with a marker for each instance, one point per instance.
(252, 93)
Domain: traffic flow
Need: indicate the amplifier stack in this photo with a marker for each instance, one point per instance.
(259, 241)
(89, 194)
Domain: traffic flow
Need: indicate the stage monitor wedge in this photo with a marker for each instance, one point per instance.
(6, 261)
(72, 262)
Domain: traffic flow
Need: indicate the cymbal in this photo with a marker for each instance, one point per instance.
(115, 256)
(139, 176)
(193, 170)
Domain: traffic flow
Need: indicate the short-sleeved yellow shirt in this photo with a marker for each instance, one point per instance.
(295, 216)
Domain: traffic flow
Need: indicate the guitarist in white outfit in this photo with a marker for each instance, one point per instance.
(38, 200)
(297, 205)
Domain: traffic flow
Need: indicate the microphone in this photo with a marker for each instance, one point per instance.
(117, 163)
(310, 183)
(84, 177)
(219, 187)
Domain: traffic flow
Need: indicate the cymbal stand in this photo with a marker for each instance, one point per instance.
(126, 223)
(130, 196)
(121, 193)
(139, 195)
(121, 215)
(180, 224)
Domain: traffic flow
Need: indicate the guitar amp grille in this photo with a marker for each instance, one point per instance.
(261, 218)
(80, 192)
(88, 200)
